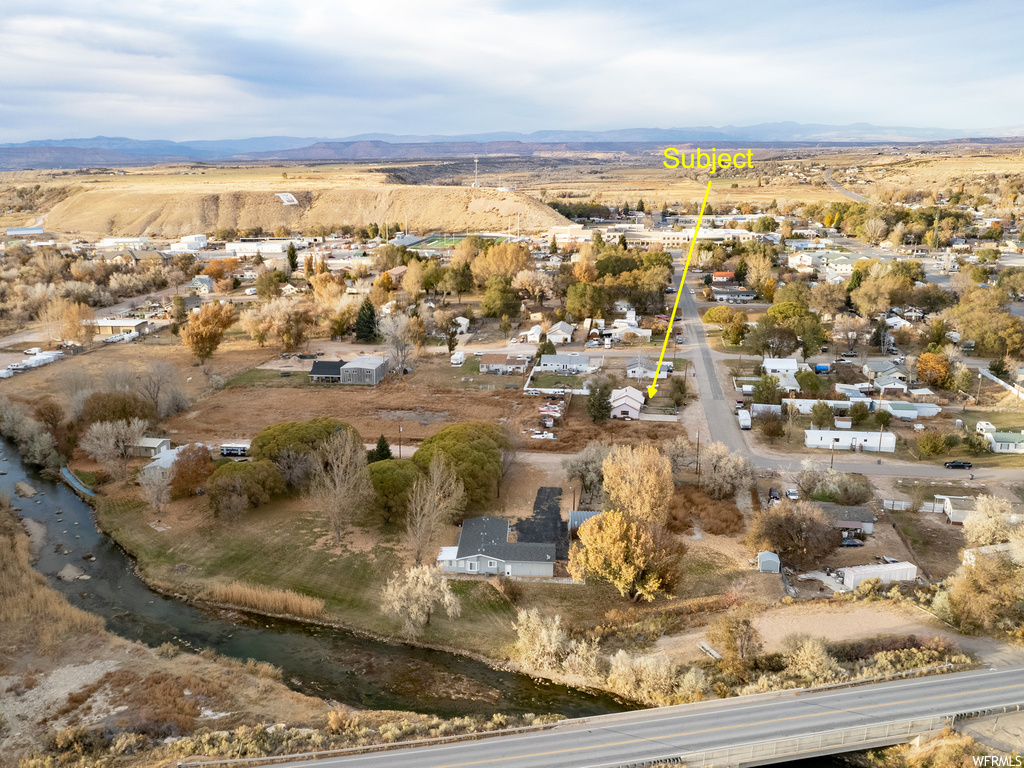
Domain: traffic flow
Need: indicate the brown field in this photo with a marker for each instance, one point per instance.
(239, 412)
(170, 201)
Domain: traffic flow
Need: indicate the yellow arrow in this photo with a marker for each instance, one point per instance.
(653, 389)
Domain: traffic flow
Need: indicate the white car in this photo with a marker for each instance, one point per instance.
(33, 351)
(792, 493)
(250, 291)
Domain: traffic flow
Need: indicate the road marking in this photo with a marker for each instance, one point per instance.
(830, 713)
(651, 390)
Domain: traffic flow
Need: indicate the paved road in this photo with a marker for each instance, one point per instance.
(843, 190)
(672, 731)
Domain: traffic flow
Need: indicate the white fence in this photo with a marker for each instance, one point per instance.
(903, 506)
(1017, 390)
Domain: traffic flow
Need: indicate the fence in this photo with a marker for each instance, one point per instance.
(1017, 390)
(903, 506)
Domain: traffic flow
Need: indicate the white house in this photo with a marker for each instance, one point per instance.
(619, 332)
(886, 572)
(484, 548)
(201, 284)
(626, 403)
(463, 323)
(150, 446)
(956, 508)
(571, 363)
(845, 440)
(560, 333)
(780, 365)
(533, 335)
(640, 368)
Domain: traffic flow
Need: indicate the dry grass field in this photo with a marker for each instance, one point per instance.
(170, 201)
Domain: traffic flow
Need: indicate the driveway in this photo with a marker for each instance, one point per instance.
(546, 525)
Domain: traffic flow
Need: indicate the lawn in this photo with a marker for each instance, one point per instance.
(548, 380)
(285, 546)
(259, 377)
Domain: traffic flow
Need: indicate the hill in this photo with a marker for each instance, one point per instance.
(170, 213)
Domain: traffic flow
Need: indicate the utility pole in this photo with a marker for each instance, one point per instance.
(399, 441)
(832, 463)
(698, 458)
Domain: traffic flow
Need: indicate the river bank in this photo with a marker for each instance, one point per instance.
(355, 670)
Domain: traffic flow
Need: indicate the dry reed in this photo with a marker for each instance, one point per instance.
(265, 599)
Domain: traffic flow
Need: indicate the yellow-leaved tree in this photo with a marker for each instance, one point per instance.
(638, 482)
(637, 558)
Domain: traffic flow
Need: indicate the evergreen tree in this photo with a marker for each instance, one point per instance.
(599, 403)
(293, 257)
(258, 259)
(640, 206)
(625, 209)
(366, 322)
(622, 243)
(553, 248)
(381, 453)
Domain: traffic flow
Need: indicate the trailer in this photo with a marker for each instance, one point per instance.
(821, 368)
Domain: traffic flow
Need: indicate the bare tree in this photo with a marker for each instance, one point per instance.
(988, 523)
(340, 480)
(118, 378)
(154, 381)
(413, 596)
(875, 230)
(587, 466)
(681, 454)
(433, 501)
(76, 385)
(296, 468)
(394, 329)
(723, 472)
(111, 442)
(156, 487)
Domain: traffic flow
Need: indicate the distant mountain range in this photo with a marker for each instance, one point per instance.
(117, 151)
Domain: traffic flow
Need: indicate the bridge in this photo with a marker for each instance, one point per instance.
(744, 731)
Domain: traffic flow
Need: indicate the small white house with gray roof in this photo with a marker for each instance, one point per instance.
(570, 363)
(484, 548)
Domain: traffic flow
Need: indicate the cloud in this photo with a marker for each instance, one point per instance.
(194, 69)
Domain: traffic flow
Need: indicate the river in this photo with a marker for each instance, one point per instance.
(326, 662)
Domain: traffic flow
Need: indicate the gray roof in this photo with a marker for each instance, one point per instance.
(370, 361)
(860, 514)
(583, 360)
(642, 362)
(326, 368)
(578, 517)
(488, 536)
(881, 366)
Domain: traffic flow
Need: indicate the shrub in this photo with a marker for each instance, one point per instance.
(116, 406)
(256, 481)
(298, 436)
(931, 444)
(474, 450)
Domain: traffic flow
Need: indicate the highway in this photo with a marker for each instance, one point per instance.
(843, 190)
(612, 740)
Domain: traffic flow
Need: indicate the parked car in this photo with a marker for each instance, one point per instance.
(851, 543)
(592, 344)
(792, 493)
(773, 494)
(848, 354)
(958, 464)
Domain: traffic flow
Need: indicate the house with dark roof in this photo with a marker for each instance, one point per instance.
(328, 371)
(484, 548)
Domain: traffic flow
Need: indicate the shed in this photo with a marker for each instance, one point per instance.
(578, 517)
(956, 508)
(887, 572)
(767, 562)
(151, 446)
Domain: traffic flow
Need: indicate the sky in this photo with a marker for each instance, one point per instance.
(192, 69)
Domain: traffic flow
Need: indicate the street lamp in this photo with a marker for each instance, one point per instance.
(573, 489)
(399, 441)
(977, 400)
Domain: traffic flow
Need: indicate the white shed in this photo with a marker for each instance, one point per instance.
(767, 562)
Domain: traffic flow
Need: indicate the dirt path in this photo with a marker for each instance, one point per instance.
(847, 621)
